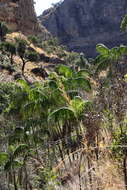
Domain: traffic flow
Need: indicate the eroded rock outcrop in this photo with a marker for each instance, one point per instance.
(81, 24)
(20, 16)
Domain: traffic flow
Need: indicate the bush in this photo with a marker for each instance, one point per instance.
(3, 31)
(33, 39)
(32, 56)
(9, 48)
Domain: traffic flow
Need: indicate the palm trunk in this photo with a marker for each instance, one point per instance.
(14, 179)
(26, 178)
(79, 172)
(61, 155)
(89, 173)
(20, 177)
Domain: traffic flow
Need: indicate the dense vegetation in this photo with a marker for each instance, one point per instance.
(67, 127)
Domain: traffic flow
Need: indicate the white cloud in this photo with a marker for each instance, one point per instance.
(42, 5)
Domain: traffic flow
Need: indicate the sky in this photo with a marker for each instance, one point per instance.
(42, 5)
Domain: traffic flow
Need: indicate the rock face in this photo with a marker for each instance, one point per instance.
(81, 24)
(20, 16)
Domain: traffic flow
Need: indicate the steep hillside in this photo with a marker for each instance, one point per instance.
(63, 117)
(82, 24)
(20, 16)
(35, 70)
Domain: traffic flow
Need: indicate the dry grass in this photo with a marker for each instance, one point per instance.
(29, 65)
(104, 172)
(104, 177)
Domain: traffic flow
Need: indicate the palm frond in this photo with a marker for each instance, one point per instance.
(77, 104)
(115, 54)
(61, 114)
(8, 166)
(77, 83)
(52, 84)
(124, 23)
(3, 157)
(73, 93)
(82, 83)
(12, 164)
(21, 149)
(23, 84)
(16, 135)
(103, 65)
(83, 73)
(123, 50)
(65, 71)
(102, 49)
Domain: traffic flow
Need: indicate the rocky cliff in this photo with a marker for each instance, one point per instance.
(81, 24)
(20, 16)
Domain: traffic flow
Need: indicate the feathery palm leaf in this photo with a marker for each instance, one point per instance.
(21, 149)
(65, 71)
(124, 23)
(107, 56)
(12, 164)
(123, 50)
(102, 49)
(77, 104)
(3, 157)
(103, 65)
(78, 83)
(83, 73)
(114, 54)
(61, 114)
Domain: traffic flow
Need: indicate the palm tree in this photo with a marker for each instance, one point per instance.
(114, 97)
(109, 58)
(73, 80)
(50, 111)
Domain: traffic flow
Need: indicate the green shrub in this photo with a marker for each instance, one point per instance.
(33, 39)
(3, 30)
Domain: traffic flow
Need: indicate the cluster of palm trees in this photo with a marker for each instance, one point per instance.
(45, 112)
(50, 120)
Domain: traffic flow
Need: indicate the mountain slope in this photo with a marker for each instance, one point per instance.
(82, 24)
(20, 16)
